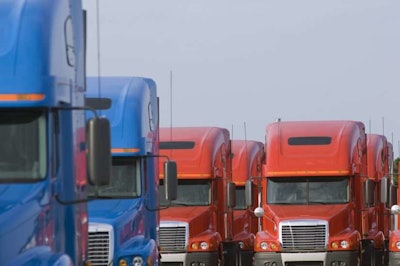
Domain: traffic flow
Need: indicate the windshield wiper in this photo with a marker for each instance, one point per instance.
(318, 202)
(177, 203)
(92, 196)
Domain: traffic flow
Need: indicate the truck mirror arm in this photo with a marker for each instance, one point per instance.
(157, 209)
(65, 202)
(82, 108)
(259, 212)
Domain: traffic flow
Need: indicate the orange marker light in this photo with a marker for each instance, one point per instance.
(21, 97)
(124, 150)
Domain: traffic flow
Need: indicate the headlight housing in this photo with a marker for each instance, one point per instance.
(136, 261)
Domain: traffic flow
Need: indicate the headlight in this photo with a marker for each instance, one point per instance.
(204, 245)
(398, 244)
(344, 244)
(137, 261)
(264, 245)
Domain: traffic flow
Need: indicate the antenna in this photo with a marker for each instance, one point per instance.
(245, 141)
(392, 137)
(383, 125)
(170, 110)
(245, 133)
(369, 126)
(170, 104)
(98, 47)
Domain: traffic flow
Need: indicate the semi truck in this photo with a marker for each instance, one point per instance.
(247, 161)
(197, 227)
(316, 196)
(382, 188)
(47, 150)
(124, 219)
(394, 233)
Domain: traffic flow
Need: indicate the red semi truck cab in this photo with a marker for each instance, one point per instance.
(247, 161)
(394, 233)
(197, 227)
(380, 160)
(313, 205)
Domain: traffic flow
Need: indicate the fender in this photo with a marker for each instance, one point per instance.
(41, 255)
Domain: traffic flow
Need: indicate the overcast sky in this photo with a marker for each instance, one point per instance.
(241, 64)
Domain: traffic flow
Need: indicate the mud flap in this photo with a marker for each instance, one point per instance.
(368, 253)
(231, 253)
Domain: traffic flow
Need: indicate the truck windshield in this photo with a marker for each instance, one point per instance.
(125, 180)
(190, 193)
(308, 190)
(22, 145)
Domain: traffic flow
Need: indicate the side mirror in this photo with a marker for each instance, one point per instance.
(170, 180)
(369, 187)
(98, 151)
(231, 195)
(393, 195)
(384, 190)
(249, 193)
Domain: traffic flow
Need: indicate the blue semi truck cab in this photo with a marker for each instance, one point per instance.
(46, 150)
(124, 221)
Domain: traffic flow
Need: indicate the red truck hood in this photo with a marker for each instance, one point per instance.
(338, 215)
(199, 218)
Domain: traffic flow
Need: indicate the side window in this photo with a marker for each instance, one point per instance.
(69, 42)
(152, 122)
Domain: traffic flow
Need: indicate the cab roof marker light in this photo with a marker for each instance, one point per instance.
(124, 150)
(308, 172)
(200, 175)
(195, 175)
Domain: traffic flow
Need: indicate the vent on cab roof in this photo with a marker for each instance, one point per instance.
(176, 145)
(309, 141)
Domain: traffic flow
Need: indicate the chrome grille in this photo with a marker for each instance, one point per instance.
(172, 239)
(304, 235)
(99, 248)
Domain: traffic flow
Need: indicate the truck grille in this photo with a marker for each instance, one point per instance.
(304, 235)
(173, 238)
(100, 245)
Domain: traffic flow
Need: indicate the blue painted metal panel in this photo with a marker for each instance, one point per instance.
(133, 115)
(128, 115)
(33, 56)
(41, 53)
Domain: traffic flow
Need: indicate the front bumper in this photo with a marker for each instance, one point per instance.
(325, 258)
